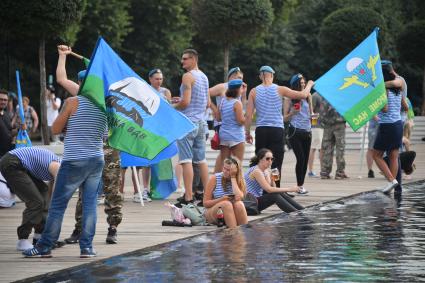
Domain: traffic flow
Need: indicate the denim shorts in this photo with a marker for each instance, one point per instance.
(192, 146)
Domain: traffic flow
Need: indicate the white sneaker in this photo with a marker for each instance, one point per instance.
(23, 245)
(302, 191)
(145, 196)
(136, 198)
(389, 187)
(101, 200)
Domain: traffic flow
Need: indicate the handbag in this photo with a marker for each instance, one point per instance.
(251, 204)
(194, 213)
(215, 141)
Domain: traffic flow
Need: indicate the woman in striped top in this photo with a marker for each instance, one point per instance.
(298, 112)
(232, 133)
(226, 190)
(258, 180)
(219, 92)
(390, 131)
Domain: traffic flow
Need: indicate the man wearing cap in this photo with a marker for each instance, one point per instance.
(193, 102)
(82, 165)
(266, 101)
(218, 91)
(111, 170)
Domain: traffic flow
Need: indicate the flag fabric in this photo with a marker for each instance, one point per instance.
(410, 113)
(163, 180)
(355, 86)
(128, 160)
(22, 139)
(140, 121)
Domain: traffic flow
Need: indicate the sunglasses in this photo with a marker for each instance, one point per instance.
(269, 158)
(4, 99)
(186, 58)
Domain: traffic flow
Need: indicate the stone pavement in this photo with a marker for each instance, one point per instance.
(141, 226)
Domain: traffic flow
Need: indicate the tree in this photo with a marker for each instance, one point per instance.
(107, 18)
(161, 31)
(40, 20)
(228, 22)
(411, 46)
(345, 28)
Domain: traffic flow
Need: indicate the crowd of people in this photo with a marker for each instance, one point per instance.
(89, 164)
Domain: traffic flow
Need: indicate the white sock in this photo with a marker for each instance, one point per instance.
(36, 236)
(394, 182)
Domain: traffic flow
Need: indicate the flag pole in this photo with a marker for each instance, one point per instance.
(76, 55)
(136, 178)
(364, 128)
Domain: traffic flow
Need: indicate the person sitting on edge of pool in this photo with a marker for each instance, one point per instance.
(226, 190)
(258, 179)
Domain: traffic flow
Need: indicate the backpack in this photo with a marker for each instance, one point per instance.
(194, 213)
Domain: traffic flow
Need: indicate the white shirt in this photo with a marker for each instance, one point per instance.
(51, 113)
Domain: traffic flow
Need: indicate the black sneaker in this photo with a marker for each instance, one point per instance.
(74, 238)
(180, 199)
(111, 238)
(183, 201)
(198, 195)
(371, 174)
(87, 253)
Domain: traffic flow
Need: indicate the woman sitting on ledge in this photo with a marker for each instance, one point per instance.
(258, 180)
(226, 190)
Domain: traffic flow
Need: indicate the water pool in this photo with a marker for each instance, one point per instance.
(366, 238)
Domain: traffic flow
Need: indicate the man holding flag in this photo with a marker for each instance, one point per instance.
(82, 165)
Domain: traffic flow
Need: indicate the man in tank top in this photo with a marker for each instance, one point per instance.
(266, 100)
(193, 102)
(82, 165)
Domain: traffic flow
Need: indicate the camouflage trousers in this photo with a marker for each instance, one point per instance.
(333, 139)
(111, 177)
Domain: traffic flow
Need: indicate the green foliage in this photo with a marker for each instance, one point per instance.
(39, 19)
(230, 21)
(161, 31)
(344, 29)
(107, 18)
(411, 43)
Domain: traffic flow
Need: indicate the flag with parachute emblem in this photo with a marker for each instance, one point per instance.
(355, 86)
(140, 121)
(22, 138)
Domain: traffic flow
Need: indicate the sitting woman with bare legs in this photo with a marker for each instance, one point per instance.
(226, 190)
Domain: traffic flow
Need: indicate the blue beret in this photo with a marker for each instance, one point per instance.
(386, 62)
(266, 69)
(294, 79)
(154, 71)
(233, 70)
(234, 84)
(81, 75)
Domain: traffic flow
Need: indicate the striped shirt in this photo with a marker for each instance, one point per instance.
(85, 131)
(301, 120)
(230, 129)
(199, 98)
(163, 91)
(268, 104)
(218, 100)
(393, 113)
(36, 160)
(219, 191)
(252, 186)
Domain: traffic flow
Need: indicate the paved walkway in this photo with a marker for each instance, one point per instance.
(141, 226)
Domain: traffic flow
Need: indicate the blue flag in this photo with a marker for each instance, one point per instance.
(22, 139)
(355, 86)
(140, 121)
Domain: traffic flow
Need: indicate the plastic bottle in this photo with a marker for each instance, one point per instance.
(220, 217)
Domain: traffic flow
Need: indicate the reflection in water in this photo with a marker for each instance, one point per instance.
(366, 238)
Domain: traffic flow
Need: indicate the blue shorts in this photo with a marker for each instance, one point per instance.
(389, 136)
(192, 146)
